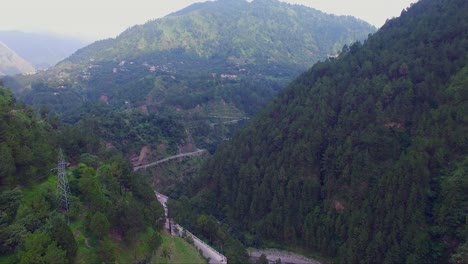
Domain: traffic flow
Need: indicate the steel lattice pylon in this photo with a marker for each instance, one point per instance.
(63, 188)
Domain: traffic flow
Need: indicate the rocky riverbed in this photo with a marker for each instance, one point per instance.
(285, 256)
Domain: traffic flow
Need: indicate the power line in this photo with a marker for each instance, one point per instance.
(63, 188)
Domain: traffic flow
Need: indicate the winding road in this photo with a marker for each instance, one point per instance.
(194, 153)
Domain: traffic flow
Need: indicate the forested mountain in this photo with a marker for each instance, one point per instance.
(41, 49)
(257, 32)
(11, 63)
(113, 213)
(206, 67)
(363, 158)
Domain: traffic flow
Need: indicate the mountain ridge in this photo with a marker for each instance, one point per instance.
(218, 11)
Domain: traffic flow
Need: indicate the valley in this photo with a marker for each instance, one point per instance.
(230, 65)
(274, 132)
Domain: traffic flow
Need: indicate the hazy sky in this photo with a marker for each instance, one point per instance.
(98, 19)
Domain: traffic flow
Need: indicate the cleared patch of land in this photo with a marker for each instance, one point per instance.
(176, 250)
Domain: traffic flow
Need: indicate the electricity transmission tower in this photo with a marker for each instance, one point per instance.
(63, 188)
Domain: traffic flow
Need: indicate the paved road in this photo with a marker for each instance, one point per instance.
(197, 152)
(207, 251)
(163, 200)
(229, 122)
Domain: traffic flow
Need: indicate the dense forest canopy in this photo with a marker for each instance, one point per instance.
(363, 158)
(256, 30)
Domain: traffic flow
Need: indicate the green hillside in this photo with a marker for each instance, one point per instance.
(210, 63)
(113, 214)
(363, 158)
(258, 32)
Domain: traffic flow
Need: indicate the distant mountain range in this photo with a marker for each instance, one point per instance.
(43, 50)
(11, 63)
